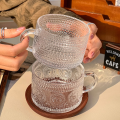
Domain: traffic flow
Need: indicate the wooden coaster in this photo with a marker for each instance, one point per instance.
(54, 115)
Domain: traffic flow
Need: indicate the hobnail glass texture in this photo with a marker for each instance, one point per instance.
(56, 90)
(60, 41)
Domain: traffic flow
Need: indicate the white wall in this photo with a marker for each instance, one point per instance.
(55, 2)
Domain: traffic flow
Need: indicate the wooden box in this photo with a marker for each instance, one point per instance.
(103, 13)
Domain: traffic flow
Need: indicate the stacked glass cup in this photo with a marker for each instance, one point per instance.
(57, 75)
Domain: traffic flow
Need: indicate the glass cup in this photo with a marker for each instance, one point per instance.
(57, 90)
(59, 40)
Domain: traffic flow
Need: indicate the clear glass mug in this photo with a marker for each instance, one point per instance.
(59, 90)
(59, 40)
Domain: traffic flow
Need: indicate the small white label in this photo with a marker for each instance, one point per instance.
(117, 3)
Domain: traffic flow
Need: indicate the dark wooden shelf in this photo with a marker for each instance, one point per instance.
(3, 83)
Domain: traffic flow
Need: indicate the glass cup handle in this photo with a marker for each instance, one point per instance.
(94, 83)
(26, 33)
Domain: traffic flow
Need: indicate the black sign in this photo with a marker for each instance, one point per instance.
(112, 57)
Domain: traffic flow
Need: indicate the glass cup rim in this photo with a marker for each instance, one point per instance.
(86, 25)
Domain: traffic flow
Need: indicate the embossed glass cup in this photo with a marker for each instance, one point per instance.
(57, 90)
(59, 40)
(59, 46)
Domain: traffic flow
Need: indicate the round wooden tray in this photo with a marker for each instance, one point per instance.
(54, 115)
